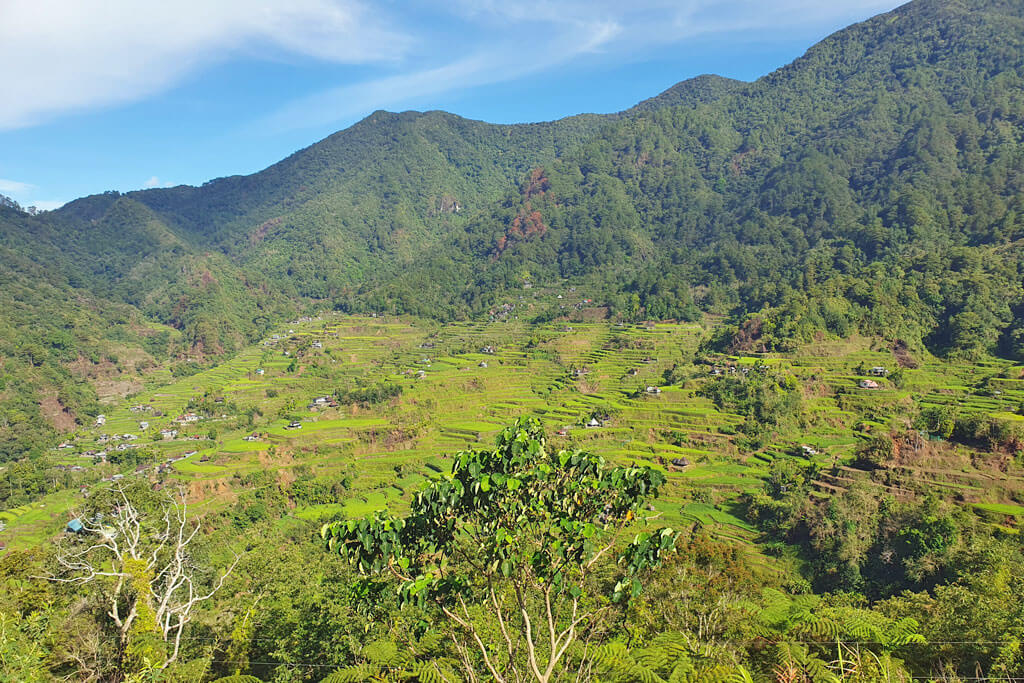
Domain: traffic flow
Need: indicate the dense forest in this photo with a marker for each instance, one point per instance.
(872, 190)
(874, 184)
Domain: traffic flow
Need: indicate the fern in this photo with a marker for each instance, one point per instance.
(354, 674)
(381, 652)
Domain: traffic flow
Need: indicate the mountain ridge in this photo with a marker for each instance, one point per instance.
(815, 199)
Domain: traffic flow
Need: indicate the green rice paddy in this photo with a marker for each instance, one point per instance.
(563, 374)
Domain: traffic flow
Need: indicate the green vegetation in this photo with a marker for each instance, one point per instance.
(834, 489)
(792, 309)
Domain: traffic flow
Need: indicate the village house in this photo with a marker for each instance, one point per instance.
(868, 384)
(167, 434)
(593, 423)
(879, 371)
(318, 345)
(321, 402)
(482, 364)
(260, 371)
(653, 390)
(808, 450)
(680, 462)
(143, 425)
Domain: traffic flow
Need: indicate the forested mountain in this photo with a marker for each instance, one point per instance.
(874, 184)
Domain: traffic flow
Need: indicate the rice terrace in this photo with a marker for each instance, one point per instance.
(690, 350)
(400, 396)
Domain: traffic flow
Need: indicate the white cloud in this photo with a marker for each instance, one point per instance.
(23, 192)
(500, 62)
(14, 187)
(154, 181)
(514, 38)
(65, 55)
(71, 55)
(49, 205)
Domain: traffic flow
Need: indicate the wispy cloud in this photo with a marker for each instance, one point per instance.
(15, 187)
(66, 55)
(23, 193)
(502, 61)
(515, 38)
(49, 205)
(71, 55)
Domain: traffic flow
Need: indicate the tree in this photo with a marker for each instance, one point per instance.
(141, 557)
(508, 547)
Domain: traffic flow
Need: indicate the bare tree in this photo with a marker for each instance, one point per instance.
(143, 560)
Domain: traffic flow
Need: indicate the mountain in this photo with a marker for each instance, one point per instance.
(875, 184)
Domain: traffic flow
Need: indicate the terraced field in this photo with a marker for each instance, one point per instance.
(460, 383)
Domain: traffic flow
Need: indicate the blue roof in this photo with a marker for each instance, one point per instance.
(75, 525)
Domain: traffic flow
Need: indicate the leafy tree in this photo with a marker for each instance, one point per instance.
(508, 547)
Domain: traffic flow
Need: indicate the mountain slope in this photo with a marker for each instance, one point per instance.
(874, 184)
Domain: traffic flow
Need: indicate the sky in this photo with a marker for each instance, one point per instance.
(128, 94)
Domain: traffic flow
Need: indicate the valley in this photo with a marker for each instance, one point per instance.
(413, 392)
(724, 387)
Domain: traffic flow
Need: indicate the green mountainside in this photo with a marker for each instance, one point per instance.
(872, 185)
(727, 387)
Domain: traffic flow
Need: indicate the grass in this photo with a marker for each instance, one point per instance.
(1001, 509)
(459, 405)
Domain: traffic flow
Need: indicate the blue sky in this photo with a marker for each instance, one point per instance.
(126, 94)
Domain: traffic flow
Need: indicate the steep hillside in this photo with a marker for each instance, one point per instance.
(875, 184)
